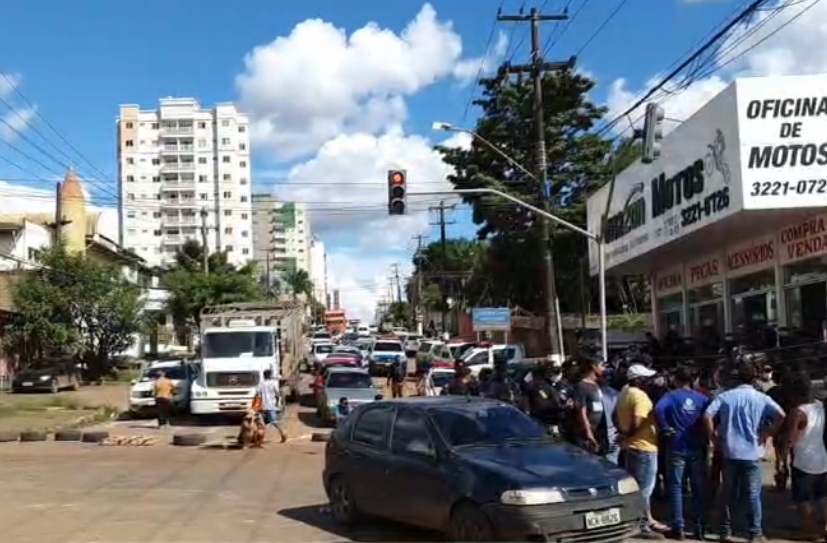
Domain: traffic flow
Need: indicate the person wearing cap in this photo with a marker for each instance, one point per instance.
(742, 430)
(679, 414)
(639, 438)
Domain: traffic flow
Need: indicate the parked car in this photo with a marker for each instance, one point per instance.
(412, 345)
(354, 384)
(483, 357)
(436, 380)
(424, 356)
(318, 352)
(47, 379)
(384, 354)
(476, 469)
(142, 392)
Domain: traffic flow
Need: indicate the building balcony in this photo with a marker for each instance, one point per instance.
(177, 203)
(176, 129)
(179, 221)
(177, 149)
(177, 167)
(179, 184)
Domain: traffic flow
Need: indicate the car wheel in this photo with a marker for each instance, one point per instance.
(53, 387)
(468, 523)
(342, 506)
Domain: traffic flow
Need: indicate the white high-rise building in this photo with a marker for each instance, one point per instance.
(281, 230)
(318, 269)
(183, 173)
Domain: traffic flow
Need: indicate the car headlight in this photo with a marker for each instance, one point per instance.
(45, 377)
(535, 496)
(135, 394)
(627, 485)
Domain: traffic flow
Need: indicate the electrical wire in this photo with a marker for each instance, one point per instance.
(601, 27)
(484, 57)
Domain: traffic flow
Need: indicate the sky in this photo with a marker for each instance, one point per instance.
(340, 92)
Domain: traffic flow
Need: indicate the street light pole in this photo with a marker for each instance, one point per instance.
(594, 237)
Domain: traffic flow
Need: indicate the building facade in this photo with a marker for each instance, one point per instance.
(729, 224)
(318, 269)
(282, 234)
(184, 173)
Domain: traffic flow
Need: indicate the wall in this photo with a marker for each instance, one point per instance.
(23, 244)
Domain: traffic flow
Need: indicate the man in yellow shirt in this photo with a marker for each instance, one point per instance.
(164, 390)
(639, 439)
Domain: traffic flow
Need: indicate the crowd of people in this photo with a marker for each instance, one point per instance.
(682, 432)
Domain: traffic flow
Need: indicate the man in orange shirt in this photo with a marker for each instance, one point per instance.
(164, 393)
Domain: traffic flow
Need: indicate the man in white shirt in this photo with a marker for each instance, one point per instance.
(268, 391)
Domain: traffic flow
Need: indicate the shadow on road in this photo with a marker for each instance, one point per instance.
(367, 531)
(311, 420)
(307, 400)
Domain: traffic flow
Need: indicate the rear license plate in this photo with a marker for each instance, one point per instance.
(599, 519)
(28, 384)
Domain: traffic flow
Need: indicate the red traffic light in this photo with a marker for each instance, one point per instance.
(397, 178)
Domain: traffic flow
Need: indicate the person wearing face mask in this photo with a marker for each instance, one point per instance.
(543, 398)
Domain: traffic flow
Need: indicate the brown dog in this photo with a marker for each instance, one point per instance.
(252, 431)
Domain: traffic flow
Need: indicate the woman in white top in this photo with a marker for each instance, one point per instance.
(809, 458)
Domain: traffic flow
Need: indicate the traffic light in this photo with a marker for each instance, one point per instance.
(652, 132)
(397, 192)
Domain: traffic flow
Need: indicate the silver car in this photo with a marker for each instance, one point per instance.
(352, 383)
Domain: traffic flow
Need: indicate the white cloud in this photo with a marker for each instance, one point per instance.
(360, 288)
(14, 122)
(9, 82)
(468, 70)
(769, 45)
(319, 82)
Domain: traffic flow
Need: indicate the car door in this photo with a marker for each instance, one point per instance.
(420, 482)
(368, 460)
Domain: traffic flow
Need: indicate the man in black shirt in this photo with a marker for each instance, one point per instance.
(463, 384)
(544, 401)
(589, 416)
(500, 386)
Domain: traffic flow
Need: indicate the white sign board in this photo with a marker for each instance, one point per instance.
(783, 141)
(695, 183)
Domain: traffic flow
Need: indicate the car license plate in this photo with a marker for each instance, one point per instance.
(599, 519)
(28, 384)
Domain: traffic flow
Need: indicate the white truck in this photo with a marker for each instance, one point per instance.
(238, 344)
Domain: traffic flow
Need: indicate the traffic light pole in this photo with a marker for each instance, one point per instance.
(594, 237)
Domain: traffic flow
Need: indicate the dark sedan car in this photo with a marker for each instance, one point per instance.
(477, 469)
(51, 379)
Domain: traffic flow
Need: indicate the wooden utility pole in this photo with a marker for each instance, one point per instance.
(443, 243)
(537, 69)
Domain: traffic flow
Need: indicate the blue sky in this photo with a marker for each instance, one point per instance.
(79, 60)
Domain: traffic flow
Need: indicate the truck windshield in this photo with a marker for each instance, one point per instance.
(237, 343)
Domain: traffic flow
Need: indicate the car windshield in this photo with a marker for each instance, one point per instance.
(458, 350)
(324, 349)
(486, 425)
(349, 380)
(238, 343)
(441, 379)
(388, 347)
(321, 335)
(425, 346)
(176, 373)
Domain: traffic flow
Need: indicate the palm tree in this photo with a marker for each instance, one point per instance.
(299, 282)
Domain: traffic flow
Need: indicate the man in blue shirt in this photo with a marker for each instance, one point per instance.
(679, 415)
(742, 432)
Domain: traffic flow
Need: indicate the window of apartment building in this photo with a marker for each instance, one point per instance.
(202, 178)
(203, 195)
(245, 251)
(202, 160)
(202, 124)
(243, 198)
(242, 181)
(154, 143)
(227, 177)
(156, 161)
(143, 142)
(156, 215)
(244, 233)
(243, 163)
(228, 230)
(228, 248)
(131, 231)
(225, 123)
(129, 143)
(225, 141)
(202, 143)
(130, 178)
(156, 178)
(130, 160)
(156, 126)
(244, 215)
(227, 213)
(242, 146)
(129, 125)
(130, 215)
(225, 159)
(156, 233)
(130, 196)
(227, 194)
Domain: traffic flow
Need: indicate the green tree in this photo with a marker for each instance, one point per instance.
(299, 282)
(75, 305)
(576, 167)
(398, 313)
(192, 287)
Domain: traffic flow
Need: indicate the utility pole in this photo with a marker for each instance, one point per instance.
(398, 282)
(419, 311)
(268, 287)
(205, 250)
(57, 225)
(443, 244)
(537, 68)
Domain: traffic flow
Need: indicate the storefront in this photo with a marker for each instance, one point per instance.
(729, 222)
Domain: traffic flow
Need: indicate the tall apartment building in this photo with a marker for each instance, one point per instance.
(318, 269)
(281, 230)
(183, 172)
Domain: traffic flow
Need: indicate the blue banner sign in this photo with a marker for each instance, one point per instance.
(491, 319)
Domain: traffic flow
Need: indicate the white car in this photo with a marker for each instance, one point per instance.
(318, 352)
(483, 357)
(412, 345)
(384, 354)
(142, 392)
(436, 380)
